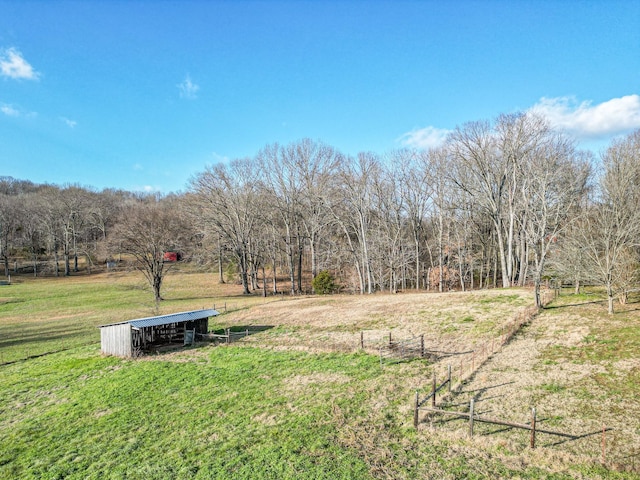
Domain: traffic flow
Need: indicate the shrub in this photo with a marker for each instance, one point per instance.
(323, 283)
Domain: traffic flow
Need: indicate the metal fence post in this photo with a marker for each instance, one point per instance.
(471, 418)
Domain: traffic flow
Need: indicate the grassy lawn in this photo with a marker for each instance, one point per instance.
(52, 314)
(299, 400)
(234, 413)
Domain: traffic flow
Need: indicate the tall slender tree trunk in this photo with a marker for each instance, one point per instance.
(506, 282)
(417, 246)
(609, 296)
(242, 259)
(440, 252)
(300, 253)
(220, 269)
(264, 282)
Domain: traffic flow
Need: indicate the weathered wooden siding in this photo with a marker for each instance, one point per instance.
(116, 340)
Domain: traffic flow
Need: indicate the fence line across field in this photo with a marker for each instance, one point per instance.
(473, 417)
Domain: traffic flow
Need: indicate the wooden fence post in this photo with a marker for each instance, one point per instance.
(362, 340)
(449, 377)
(433, 390)
(415, 412)
(422, 345)
(471, 418)
(389, 338)
(228, 336)
(604, 442)
(533, 427)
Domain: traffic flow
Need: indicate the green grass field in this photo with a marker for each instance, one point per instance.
(53, 314)
(270, 407)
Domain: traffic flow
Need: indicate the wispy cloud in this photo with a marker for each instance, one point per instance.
(584, 120)
(13, 111)
(188, 89)
(219, 158)
(70, 123)
(9, 111)
(13, 65)
(427, 137)
(147, 189)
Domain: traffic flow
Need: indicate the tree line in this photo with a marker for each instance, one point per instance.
(503, 202)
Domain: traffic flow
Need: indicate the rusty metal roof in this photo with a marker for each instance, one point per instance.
(166, 319)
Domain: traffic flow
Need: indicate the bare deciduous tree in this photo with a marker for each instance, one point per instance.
(228, 204)
(148, 229)
(611, 225)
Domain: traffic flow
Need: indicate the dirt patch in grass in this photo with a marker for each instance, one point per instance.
(302, 382)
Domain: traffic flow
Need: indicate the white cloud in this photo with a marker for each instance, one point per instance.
(12, 111)
(427, 137)
(9, 110)
(146, 189)
(70, 123)
(188, 89)
(13, 65)
(587, 121)
(220, 158)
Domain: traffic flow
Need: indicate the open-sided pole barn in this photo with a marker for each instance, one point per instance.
(131, 338)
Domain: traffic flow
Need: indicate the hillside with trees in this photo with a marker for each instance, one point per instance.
(501, 203)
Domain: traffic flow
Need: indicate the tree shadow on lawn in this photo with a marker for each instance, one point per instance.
(51, 334)
(594, 302)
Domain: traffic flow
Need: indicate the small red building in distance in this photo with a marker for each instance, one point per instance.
(171, 256)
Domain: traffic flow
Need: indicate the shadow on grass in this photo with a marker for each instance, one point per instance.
(49, 335)
(218, 336)
(578, 437)
(594, 302)
(243, 329)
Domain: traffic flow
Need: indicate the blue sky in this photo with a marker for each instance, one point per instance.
(141, 95)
